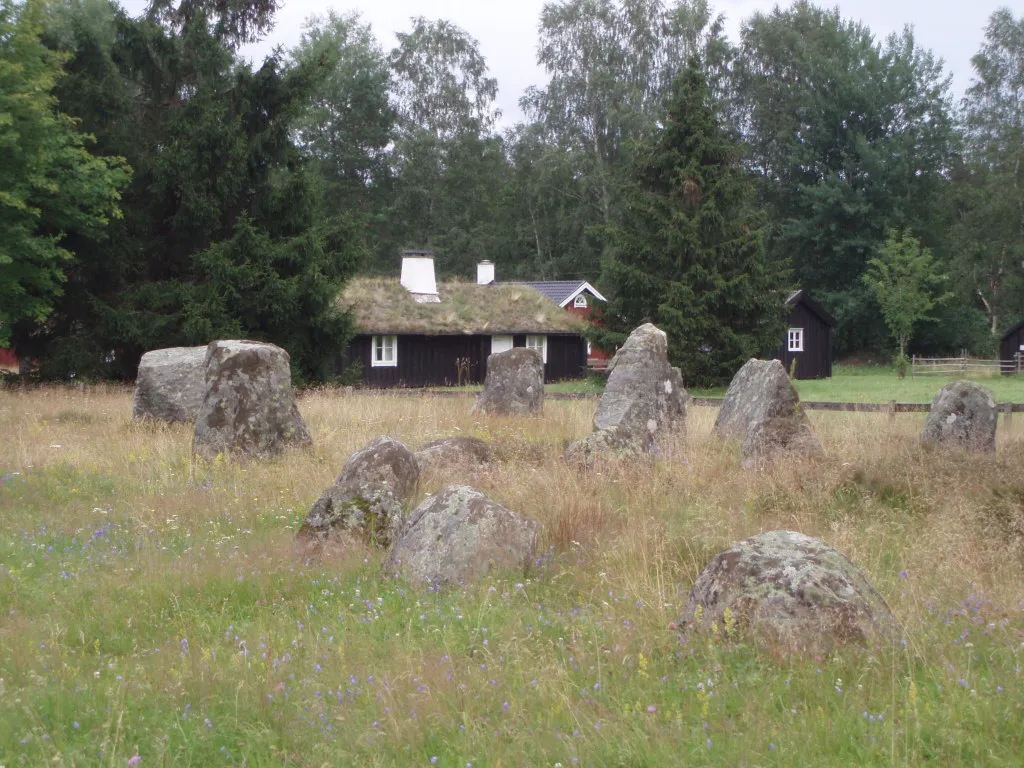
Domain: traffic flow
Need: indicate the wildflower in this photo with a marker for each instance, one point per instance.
(76, 725)
(771, 747)
(709, 743)
(651, 709)
(433, 760)
(134, 760)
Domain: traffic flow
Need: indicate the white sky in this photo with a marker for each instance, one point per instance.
(507, 31)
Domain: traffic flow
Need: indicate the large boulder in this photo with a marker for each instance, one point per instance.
(459, 451)
(171, 384)
(762, 408)
(460, 535)
(367, 501)
(793, 592)
(963, 415)
(643, 401)
(249, 408)
(514, 384)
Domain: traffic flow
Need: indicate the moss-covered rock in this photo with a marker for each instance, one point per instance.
(459, 536)
(790, 591)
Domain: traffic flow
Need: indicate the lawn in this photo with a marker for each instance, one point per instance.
(853, 384)
(155, 612)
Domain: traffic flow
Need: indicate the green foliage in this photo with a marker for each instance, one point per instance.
(224, 232)
(988, 198)
(904, 279)
(50, 183)
(850, 137)
(349, 122)
(688, 255)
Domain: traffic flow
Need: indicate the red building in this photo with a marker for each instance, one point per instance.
(8, 360)
(576, 296)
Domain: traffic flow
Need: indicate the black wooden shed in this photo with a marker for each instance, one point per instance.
(1010, 347)
(808, 339)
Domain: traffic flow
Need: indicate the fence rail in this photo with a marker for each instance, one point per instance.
(808, 405)
(944, 366)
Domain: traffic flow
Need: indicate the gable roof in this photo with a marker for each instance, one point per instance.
(560, 291)
(381, 305)
(1013, 329)
(799, 297)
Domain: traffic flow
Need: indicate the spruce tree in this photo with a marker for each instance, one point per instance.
(687, 253)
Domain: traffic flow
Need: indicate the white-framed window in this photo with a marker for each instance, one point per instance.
(500, 344)
(540, 343)
(385, 352)
(580, 302)
(796, 339)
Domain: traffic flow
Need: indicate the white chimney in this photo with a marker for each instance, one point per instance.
(418, 276)
(485, 272)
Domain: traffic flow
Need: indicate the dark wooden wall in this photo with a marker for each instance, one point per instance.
(815, 362)
(430, 361)
(1009, 347)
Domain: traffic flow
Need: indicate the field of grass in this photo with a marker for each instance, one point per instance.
(157, 613)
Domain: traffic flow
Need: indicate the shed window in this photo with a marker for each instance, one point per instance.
(580, 302)
(540, 343)
(796, 339)
(385, 352)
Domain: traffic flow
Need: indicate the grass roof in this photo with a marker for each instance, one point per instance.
(380, 305)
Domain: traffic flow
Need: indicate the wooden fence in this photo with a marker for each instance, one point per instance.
(963, 365)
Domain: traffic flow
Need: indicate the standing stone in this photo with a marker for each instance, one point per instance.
(963, 415)
(453, 451)
(762, 409)
(249, 408)
(643, 400)
(514, 385)
(367, 501)
(171, 384)
(794, 592)
(460, 535)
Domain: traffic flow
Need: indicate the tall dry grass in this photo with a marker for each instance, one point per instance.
(213, 546)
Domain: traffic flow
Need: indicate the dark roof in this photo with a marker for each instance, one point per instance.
(800, 297)
(559, 291)
(381, 305)
(1014, 329)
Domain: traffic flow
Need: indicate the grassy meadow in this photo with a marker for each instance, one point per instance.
(154, 612)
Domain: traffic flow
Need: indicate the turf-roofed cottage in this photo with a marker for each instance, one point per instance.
(415, 332)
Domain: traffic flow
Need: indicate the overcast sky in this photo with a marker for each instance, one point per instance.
(507, 29)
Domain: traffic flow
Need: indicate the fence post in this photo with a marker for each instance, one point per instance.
(1007, 415)
(891, 410)
(913, 364)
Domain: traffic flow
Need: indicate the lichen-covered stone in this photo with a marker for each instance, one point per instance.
(459, 536)
(171, 384)
(367, 501)
(762, 409)
(383, 462)
(249, 407)
(643, 401)
(963, 415)
(514, 384)
(791, 591)
(610, 444)
(459, 451)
